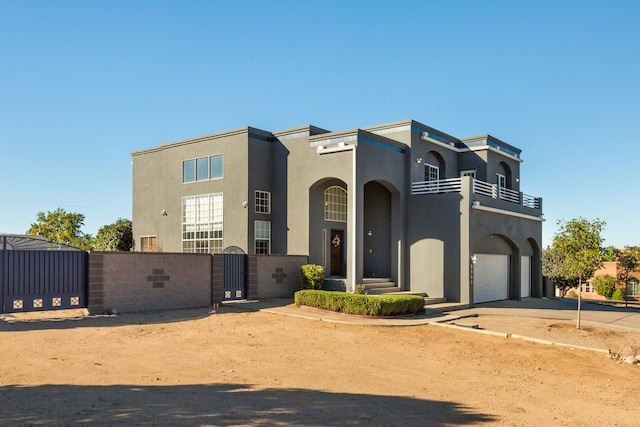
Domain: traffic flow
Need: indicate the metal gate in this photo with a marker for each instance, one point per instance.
(234, 273)
(35, 280)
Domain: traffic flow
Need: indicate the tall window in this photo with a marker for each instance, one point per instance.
(202, 168)
(202, 226)
(431, 173)
(262, 237)
(335, 204)
(148, 243)
(502, 184)
(263, 202)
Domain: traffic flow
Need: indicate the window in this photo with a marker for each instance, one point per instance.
(335, 204)
(188, 171)
(502, 185)
(202, 168)
(587, 288)
(148, 243)
(202, 226)
(431, 173)
(263, 202)
(217, 163)
(262, 238)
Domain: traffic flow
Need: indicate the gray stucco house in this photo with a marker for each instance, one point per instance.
(401, 202)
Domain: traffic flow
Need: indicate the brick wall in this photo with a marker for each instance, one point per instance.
(143, 281)
(138, 281)
(274, 276)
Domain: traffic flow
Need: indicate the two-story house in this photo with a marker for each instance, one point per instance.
(400, 202)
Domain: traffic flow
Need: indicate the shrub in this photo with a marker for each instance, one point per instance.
(360, 289)
(618, 295)
(342, 302)
(571, 294)
(312, 276)
(604, 285)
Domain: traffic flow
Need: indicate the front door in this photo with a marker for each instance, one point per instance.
(337, 242)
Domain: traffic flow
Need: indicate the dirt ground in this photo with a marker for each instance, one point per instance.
(235, 367)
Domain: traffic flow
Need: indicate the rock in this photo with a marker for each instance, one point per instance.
(631, 360)
(629, 349)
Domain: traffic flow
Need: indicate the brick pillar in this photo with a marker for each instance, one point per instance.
(252, 277)
(216, 278)
(95, 283)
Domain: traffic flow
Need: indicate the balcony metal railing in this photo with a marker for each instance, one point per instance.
(454, 185)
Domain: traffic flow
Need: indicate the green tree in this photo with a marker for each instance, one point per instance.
(628, 262)
(576, 253)
(610, 253)
(115, 237)
(63, 227)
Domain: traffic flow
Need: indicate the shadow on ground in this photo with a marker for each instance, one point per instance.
(220, 405)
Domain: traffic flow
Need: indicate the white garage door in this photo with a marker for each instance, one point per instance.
(491, 278)
(525, 277)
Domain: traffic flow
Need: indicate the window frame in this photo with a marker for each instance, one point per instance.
(149, 247)
(261, 239)
(260, 197)
(197, 164)
(203, 223)
(336, 206)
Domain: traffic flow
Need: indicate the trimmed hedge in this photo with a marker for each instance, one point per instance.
(368, 305)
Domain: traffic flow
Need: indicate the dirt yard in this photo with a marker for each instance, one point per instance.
(193, 368)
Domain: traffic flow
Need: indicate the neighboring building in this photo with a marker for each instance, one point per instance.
(399, 202)
(611, 268)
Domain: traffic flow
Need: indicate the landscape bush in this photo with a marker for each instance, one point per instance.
(618, 295)
(312, 276)
(604, 285)
(367, 305)
(571, 294)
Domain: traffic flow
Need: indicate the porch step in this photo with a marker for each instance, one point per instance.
(385, 286)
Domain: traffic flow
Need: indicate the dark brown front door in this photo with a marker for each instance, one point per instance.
(336, 252)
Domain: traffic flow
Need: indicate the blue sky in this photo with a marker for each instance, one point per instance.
(85, 83)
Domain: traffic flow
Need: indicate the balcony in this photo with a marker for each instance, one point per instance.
(455, 185)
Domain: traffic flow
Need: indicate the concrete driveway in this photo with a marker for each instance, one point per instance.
(598, 312)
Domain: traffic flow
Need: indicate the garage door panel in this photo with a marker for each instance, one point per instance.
(491, 278)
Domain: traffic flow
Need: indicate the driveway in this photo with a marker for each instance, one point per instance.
(597, 312)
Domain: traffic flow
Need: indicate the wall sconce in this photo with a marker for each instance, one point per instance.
(419, 160)
(369, 233)
(517, 179)
(245, 204)
(164, 213)
(474, 259)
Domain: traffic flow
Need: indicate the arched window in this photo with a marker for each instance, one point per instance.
(335, 204)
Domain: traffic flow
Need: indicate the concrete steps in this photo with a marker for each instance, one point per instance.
(385, 286)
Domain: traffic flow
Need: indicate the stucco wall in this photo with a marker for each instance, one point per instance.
(274, 276)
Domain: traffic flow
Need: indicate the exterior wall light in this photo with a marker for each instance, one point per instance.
(419, 160)
(164, 212)
(474, 259)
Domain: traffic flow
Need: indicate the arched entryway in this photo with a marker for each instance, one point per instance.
(495, 269)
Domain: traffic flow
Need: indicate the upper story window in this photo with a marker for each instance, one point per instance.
(335, 204)
(263, 202)
(431, 173)
(202, 168)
